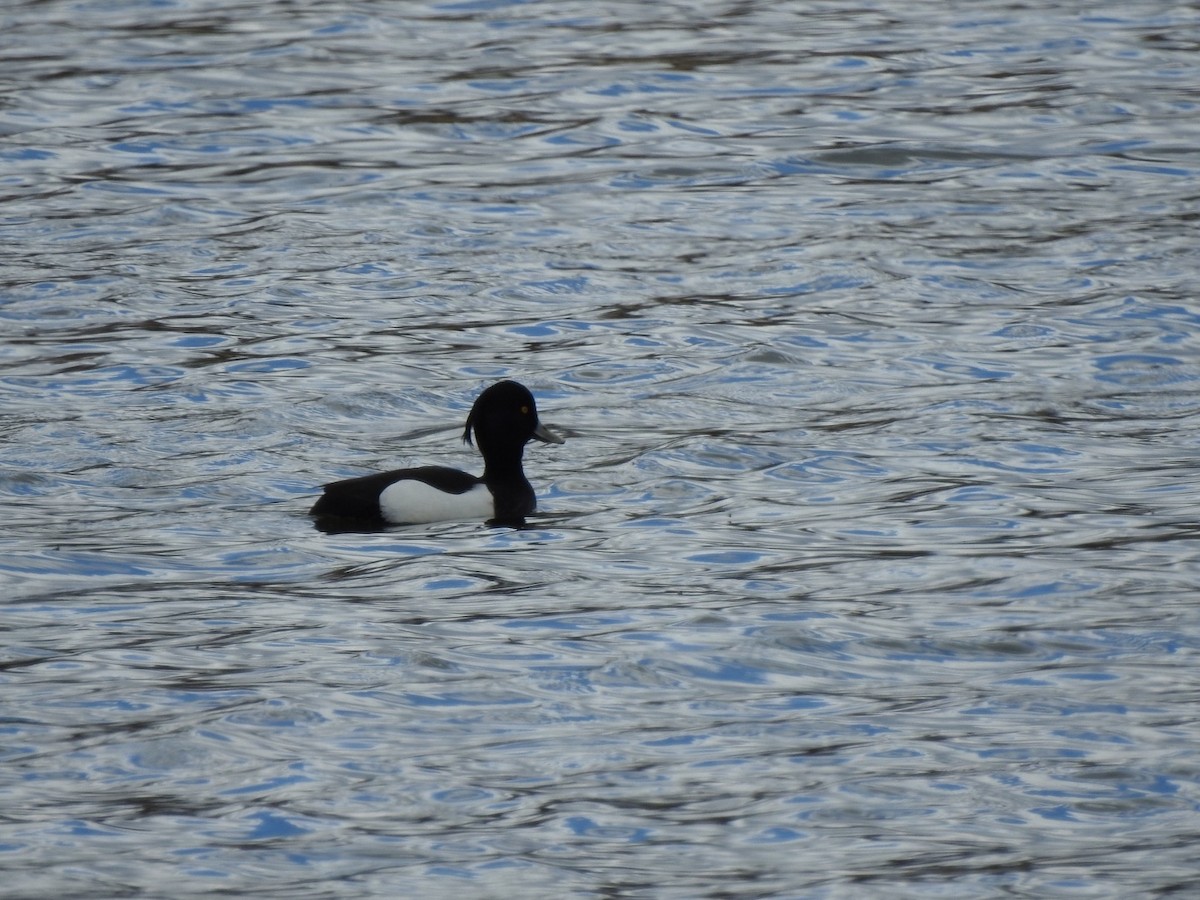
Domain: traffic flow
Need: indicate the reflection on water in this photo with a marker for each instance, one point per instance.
(869, 564)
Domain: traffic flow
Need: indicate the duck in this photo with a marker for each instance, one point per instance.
(503, 419)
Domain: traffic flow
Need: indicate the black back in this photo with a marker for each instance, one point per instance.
(358, 498)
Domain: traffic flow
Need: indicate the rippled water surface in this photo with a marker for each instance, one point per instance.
(869, 567)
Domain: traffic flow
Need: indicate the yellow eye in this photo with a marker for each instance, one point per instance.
(524, 410)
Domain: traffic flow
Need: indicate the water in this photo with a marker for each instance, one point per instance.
(869, 566)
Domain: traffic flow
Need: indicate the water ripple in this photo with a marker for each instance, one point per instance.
(868, 564)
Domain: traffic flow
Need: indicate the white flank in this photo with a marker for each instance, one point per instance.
(411, 502)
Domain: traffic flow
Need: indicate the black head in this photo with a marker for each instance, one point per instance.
(504, 419)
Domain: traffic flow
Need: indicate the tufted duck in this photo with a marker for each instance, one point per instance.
(504, 418)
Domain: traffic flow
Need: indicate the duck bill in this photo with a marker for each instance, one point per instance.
(546, 436)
